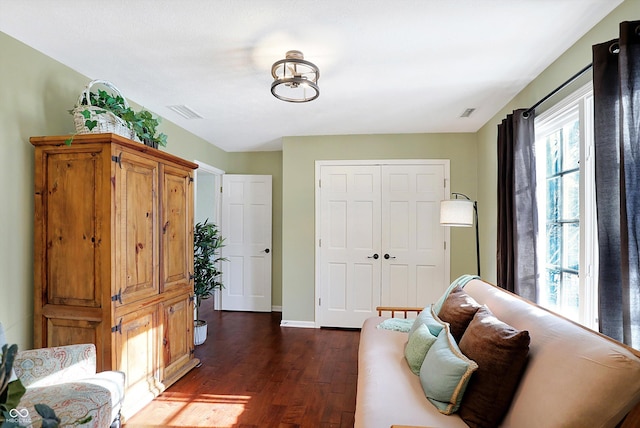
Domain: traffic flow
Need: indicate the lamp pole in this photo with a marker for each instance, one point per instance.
(475, 210)
(475, 215)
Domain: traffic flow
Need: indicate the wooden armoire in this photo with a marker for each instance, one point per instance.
(114, 257)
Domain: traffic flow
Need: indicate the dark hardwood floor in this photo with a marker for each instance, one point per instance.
(255, 373)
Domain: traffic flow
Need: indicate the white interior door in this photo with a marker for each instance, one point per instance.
(380, 239)
(350, 244)
(246, 227)
(413, 264)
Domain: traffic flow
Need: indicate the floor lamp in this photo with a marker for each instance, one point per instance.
(460, 212)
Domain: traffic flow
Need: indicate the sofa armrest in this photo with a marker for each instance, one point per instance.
(49, 366)
(394, 309)
(632, 419)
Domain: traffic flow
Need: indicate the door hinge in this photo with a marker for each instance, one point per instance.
(320, 184)
(445, 183)
(319, 301)
(192, 351)
(190, 179)
(191, 276)
(320, 242)
(445, 245)
(117, 328)
(117, 297)
(117, 159)
(192, 298)
(220, 189)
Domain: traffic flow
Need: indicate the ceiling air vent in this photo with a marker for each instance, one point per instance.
(467, 112)
(185, 112)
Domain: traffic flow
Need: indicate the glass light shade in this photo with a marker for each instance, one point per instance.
(295, 80)
(456, 212)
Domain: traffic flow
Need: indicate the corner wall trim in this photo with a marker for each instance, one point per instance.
(299, 324)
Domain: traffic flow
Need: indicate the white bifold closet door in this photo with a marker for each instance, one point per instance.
(380, 241)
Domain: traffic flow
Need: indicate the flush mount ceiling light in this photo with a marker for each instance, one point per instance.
(295, 80)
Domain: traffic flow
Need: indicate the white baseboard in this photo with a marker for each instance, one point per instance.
(299, 324)
(276, 308)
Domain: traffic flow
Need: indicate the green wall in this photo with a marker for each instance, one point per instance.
(35, 94)
(569, 63)
(298, 204)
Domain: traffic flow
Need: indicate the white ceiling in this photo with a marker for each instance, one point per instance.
(386, 66)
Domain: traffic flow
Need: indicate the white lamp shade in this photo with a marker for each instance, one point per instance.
(456, 212)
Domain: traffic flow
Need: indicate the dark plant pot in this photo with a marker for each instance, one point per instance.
(150, 143)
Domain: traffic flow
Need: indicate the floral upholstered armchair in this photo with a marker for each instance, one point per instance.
(65, 379)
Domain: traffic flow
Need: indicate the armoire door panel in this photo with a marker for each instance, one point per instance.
(177, 334)
(72, 228)
(136, 213)
(176, 229)
(136, 354)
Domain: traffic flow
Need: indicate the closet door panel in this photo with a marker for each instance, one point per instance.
(350, 212)
(412, 238)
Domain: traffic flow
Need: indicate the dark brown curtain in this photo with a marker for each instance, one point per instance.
(616, 95)
(517, 208)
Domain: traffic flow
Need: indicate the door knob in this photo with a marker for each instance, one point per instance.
(375, 256)
(266, 250)
(387, 257)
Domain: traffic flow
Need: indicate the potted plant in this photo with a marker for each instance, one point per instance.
(207, 245)
(142, 123)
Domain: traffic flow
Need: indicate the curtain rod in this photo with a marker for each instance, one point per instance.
(556, 90)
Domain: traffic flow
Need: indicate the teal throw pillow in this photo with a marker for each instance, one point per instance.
(417, 347)
(396, 324)
(426, 317)
(445, 373)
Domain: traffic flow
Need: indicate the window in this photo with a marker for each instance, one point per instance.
(567, 244)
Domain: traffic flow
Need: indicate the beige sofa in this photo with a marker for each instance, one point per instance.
(574, 377)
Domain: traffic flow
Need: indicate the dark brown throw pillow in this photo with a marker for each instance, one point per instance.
(458, 310)
(501, 352)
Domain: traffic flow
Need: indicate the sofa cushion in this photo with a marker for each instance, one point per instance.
(501, 354)
(72, 402)
(426, 316)
(417, 347)
(445, 373)
(458, 310)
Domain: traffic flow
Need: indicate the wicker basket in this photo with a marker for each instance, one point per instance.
(107, 122)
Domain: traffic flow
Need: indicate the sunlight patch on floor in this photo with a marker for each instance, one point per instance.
(186, 410)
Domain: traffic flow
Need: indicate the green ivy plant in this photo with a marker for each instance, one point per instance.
(207, 244)
(143, 123)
